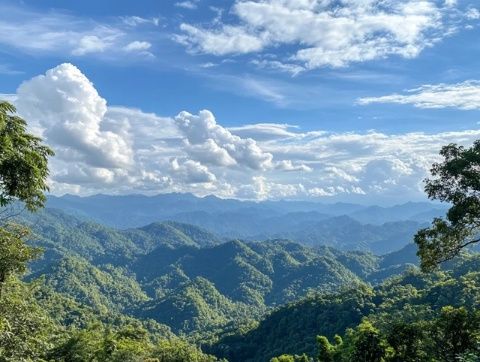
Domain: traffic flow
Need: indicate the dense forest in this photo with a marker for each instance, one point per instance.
(171, 291)
(75, 289)
(410, 317)
(185, 277)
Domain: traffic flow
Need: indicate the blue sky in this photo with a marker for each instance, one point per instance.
(335, 100)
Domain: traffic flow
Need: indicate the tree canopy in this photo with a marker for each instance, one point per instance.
(23, 161)
(456, 180)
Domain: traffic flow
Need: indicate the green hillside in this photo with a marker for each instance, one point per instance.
(412, 298)
(185, 277)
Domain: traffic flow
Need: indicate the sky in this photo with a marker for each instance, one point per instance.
(328, 100)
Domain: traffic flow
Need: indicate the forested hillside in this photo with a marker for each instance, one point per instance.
(344, 226)
(412, 317)
(242, 301)
(185, 277)
(138, 289)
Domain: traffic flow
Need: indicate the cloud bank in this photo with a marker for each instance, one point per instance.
(101, 148)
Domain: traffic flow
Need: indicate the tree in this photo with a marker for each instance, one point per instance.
(23, 162)
(23, 179)
(26, 329)
(368, 344)
(456, 180)
(328, 352)
(14, 253)
(291, 358)
(407, 341)
(455, 332)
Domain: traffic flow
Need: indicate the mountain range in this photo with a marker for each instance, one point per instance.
(188, 278)
(344, 226)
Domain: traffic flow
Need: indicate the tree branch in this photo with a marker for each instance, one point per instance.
(454, 252)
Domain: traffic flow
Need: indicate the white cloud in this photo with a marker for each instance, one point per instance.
(331, 191)
(190, 5)
(97, 147)
(55, 32)
(465, 95)
(67, 106)
(137, 46)
(287, 165)
(261, 189)
(264, 131)
(211, 143)
(473, 14)
(192, 172)
(90, 44)
(116, 148)
(228, 40)
(8, 97)
(325, 32)
(293, 69)
(134, 21)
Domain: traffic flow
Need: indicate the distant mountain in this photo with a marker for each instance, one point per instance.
(345, 226)
(138, 210)
(345, 233)
(255, 273)
(171, 233)
(418, 211)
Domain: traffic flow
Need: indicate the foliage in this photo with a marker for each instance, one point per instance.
(412, 317)
(161, 272)
(290, 358)
(99, 343)
(23, 161)
(14, 253)
(26, 330)
(456, 181)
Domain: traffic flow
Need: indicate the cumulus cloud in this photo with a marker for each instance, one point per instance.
(325, 32)
(465, 95)
(372, 163)
(100, 147)
(210, 143)
(192, 172)
(67, 106)
(96, 146)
